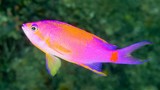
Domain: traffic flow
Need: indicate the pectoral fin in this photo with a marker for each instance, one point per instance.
(60, 48)
(53, 64)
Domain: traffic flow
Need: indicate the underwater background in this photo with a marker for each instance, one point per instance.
(120, 22)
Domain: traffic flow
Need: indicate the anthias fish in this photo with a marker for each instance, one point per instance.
(61, 40)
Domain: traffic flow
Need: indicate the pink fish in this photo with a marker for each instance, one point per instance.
(61, 40)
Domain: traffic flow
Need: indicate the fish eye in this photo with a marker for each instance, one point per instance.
(34, 27)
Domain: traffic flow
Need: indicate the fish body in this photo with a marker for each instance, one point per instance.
(59, 39)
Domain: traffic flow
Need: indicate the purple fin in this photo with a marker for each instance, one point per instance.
(125, 57)
(111, 46)
(105, 44)
(95, 66)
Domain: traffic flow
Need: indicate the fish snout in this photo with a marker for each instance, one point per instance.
(23, 26)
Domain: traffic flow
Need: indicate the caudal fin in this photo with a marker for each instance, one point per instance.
(125, 57)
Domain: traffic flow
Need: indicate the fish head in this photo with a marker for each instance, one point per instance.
(37, 32)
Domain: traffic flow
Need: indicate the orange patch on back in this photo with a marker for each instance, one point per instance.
(75, 32)
(114, 56)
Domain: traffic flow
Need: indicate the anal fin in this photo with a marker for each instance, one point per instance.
(95, 67)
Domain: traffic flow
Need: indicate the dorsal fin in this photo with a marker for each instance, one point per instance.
(105, 44)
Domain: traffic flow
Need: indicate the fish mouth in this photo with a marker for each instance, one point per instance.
(23, 26)
(25, 29)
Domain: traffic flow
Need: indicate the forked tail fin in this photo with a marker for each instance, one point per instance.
(124, 54)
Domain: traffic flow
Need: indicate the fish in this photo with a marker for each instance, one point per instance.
(62, 41)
